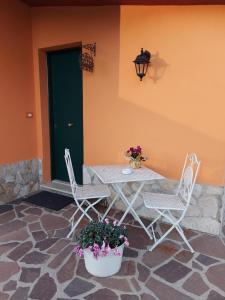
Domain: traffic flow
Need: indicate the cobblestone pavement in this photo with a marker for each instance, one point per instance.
(37, 262)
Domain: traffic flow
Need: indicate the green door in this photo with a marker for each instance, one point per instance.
(66, 111)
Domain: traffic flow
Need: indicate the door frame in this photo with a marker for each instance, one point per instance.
(44, 132)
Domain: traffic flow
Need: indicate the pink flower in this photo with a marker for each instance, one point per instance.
(116, 252)
(106, 220)
(121, 236)
(95, 246)
(115, 222)
(81, 252)
(96, 250)
(77, 249)
(126, 243)
(104, 249)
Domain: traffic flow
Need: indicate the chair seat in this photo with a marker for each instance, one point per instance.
(89, 191)
(163, 201)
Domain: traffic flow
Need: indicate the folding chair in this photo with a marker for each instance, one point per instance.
(165, 204)
(82, 195)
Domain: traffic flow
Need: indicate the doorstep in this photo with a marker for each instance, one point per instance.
(57, 186)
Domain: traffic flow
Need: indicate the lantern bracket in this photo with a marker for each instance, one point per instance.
(87, 57)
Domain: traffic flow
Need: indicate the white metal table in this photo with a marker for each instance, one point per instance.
(112, 174)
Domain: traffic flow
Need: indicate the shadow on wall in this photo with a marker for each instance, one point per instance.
(165, 142)
(157, 68)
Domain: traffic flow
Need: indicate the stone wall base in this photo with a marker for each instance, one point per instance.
(223, 216)
(205, 212)
(19, 179)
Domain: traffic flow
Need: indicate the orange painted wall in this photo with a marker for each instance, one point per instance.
(18, 134)
(57, 26)
(179, 106)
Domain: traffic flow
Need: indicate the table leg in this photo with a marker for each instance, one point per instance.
(111, 204)
(126, 203)
(130, 206)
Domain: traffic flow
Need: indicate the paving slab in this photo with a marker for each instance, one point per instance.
(37, 262)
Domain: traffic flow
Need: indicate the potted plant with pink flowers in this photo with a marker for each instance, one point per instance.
(102, 244)
(135, 156)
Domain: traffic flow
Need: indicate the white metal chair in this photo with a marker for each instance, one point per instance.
(82, 195)
(165, 204)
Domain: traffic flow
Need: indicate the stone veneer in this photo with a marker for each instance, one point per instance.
(19, 179)
(206, 211)
(223, 216)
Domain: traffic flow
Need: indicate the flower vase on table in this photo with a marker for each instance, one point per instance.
(135, 156)
(135, 164)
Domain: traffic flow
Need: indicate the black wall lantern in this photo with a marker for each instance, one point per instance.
(141, 63)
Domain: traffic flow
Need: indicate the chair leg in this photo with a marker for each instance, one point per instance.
(109, 207)
(84, 213)
(71, 220)
(160, 240)
(155, 220)
(94, 209)
(75, 226)
(78, 221)
(181, 232)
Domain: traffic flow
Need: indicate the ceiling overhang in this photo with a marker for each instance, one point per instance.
(120, 2)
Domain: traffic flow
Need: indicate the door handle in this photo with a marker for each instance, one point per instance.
(70, 124)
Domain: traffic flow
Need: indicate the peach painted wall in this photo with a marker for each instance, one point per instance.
(179, 106)
(18, 134)
(57, 26)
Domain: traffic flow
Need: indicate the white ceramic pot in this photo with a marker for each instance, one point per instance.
(103, 266)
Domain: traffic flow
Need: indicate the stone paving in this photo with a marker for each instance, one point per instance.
(37, 262)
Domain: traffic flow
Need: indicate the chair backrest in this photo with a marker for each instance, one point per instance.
(70, 172)
(188, 177)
